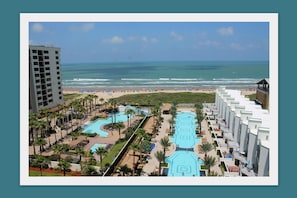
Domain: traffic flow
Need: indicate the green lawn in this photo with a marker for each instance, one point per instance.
(37, 173)
(251, 96)
(156, 98)
(71, 96)
(114, 151)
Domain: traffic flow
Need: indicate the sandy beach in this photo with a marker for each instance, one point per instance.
(114, 92)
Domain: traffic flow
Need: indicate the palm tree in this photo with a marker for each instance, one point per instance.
(135, 147)
(199, 114)
(101, 100)
(141, 133)
(209, 162)
(89, 170)
(113, 103)
(119, 126)
(165, 143)
(64, 165)
(206, 147)
(58, 150)
(160, 157)
(41, 161)
(40, 142)
(171, 122)
(80, 152)
(101, 151)
(54, 116)
(129, 113)
(33, 119)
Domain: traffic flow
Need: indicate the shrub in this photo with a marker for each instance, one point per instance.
(54, 157)
(69, 159)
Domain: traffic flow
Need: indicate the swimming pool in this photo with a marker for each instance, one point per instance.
(185, 126)
(95, 127)
(184, 162)
(95, 146)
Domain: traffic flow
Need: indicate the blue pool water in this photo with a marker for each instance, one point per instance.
(184, 162)
(95, 146)
(95, 127)
(185, 126)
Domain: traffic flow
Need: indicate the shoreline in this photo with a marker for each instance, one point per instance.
(114, 92)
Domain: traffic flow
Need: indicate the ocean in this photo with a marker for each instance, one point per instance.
(164, 74)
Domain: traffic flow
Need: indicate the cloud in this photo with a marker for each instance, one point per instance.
(144, 39)
(37, 27)
(87, 27)
(154, 40)
(114, 40)
(236, 46)
(209, 43)
(176, 36)
(226, 31)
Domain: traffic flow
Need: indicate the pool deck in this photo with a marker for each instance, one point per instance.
(153, 164)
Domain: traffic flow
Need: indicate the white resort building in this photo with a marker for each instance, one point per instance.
(245, 127)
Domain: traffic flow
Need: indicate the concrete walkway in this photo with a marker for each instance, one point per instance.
(153, 163)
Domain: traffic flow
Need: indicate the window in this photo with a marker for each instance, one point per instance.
(40, 104)
(50, 95)
(38, 92)
(58, 73)
(47, 74)
(48, 79)
(37, 81)
(60, 97)
(38, 86)
(46, 57)
(59, 83)
(36, 69)
(45, 51)
(50, 100)
(36, 75)
(35, 63)
(58, 68)
(49, 84)
(56, 52)
(57, 57)
(46, 62)
(47, 68)
(39, 98)
(58, 77)
(57, 62)
(34, 57)
(34, 51)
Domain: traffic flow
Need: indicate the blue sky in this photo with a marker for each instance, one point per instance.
(154, 41)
